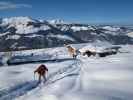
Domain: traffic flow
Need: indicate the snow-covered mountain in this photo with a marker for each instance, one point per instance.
(26, 33)
(57, 21)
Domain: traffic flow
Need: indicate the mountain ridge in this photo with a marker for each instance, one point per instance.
(18, 33)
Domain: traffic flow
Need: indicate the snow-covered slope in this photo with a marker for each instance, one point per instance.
(93, 78)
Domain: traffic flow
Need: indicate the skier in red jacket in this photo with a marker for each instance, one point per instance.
(41, 70)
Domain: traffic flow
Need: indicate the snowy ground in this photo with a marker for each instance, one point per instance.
(94, 78)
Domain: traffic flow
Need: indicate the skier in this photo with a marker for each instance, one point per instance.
(72, 51)
(41, 70)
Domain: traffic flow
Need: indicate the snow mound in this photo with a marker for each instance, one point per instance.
(97, 46)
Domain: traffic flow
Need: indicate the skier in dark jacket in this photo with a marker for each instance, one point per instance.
(41, 70)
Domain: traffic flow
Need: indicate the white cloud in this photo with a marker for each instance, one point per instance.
(10, 5)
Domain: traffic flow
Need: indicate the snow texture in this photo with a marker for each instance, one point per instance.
(15, 37)
(130, 34)
(93, 78)
(63, 37)
(20, 24)
(111, 28)
(79, 28)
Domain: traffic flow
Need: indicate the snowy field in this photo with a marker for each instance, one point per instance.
(93, 78)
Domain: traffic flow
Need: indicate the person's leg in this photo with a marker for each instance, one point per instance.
(74, 56)
(44, 78)
(39, 80)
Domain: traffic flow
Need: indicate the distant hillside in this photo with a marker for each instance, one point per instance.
(17, 33)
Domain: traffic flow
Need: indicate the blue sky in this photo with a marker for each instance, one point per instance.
(84, 11)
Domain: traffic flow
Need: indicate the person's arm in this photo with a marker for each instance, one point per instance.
(35, 71)
(46, 68)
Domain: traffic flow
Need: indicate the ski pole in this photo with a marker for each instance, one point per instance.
(34, 76)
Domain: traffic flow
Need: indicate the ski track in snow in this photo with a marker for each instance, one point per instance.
(22, 89)
(66, 71)
(108, 78)
(18, 90)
